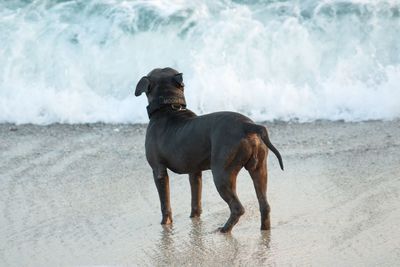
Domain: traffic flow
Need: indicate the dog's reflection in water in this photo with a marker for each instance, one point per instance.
(202, 246)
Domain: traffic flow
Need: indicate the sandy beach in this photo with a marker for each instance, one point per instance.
(75, 185)
(83, 195)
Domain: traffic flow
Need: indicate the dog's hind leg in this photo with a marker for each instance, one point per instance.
(161, 180)
(225, 181)
(195, 186)
(260, 177)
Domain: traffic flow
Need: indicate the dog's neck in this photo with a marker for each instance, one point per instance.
(176, 103)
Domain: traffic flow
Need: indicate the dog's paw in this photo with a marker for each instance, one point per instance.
(265, 225)
(166, 220)
(224, 230)
(195, 213)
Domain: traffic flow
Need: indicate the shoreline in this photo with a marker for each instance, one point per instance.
(275, 121)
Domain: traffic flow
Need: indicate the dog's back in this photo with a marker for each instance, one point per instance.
(195, 140)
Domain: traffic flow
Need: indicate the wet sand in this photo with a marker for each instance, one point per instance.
(73, 195)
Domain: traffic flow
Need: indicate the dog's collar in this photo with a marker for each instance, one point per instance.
(176, 103)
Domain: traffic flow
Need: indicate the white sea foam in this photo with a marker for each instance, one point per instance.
(79, 61)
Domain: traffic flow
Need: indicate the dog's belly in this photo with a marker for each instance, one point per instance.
(188, 164)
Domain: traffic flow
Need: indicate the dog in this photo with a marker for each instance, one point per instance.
(179, 140)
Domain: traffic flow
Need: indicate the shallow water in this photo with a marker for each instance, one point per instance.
(84, 195)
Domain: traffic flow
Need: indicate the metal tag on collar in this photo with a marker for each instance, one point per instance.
(177, 107)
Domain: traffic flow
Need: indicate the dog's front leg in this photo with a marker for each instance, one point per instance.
(195, 186)
(162, 182)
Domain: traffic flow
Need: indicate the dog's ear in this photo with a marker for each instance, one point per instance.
(142, 86)
(179, 80)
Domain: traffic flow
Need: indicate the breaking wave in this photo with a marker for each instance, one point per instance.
(79, 61)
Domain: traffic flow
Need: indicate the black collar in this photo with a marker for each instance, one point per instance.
(176, 103)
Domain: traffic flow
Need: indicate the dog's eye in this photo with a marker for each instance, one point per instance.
(179, 80)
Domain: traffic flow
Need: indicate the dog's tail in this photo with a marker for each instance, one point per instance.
(262, 132)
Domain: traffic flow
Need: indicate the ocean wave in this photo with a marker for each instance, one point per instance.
(79, 61)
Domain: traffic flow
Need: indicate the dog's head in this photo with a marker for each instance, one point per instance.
(162, 86)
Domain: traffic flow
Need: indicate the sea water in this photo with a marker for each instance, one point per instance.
(79, 61)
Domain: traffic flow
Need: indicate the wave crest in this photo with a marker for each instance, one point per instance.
(79, 61)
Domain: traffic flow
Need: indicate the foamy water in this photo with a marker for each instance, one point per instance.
(79, 61)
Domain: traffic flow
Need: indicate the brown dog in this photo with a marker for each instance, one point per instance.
(179, 140)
